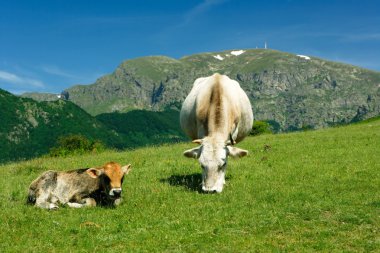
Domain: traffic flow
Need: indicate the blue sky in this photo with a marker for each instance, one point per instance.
(51, 45)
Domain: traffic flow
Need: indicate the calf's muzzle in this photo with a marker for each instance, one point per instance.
(115, 192)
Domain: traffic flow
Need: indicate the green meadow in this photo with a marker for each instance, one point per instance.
(297, 192)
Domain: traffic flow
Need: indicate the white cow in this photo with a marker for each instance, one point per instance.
(216, 114)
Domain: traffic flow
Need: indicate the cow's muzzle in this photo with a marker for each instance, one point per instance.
(115, 192)
(213, 183)
(217, 189)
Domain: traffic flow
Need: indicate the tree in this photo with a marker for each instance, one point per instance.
(261, 127)
(75, 144)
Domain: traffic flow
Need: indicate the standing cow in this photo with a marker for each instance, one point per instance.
(216, 114)
(79, 188)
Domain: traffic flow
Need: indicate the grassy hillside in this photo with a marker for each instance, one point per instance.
(299, 192)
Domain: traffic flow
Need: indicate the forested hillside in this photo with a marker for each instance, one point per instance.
(29, 128)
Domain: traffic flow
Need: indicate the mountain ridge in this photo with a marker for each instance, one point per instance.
(286, 89)
(290, 91)
(138, 104)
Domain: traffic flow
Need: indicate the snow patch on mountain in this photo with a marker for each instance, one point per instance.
(304, 57)
(237, 52)
(218, 57)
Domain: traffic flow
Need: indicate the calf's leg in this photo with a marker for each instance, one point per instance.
(44, 201)
(84, 203)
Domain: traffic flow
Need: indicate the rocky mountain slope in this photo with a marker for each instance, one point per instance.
(291, 92)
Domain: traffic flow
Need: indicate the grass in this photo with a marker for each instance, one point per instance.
(299, 192)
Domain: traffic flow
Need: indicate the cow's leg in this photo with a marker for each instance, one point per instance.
(44, 201)
(85, 202)
(117, 201)
(90, 202)
(75, 205)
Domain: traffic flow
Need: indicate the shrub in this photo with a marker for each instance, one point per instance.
(261, 127)
(75, 144)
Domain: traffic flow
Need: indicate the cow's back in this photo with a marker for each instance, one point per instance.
(197, 105)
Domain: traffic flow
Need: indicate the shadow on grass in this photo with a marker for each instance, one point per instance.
(190, 182)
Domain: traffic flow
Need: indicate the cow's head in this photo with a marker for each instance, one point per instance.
(111, 177)
(212, 155)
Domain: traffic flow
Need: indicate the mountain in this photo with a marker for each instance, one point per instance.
(138, 104)
(290, 91)
(30, 128)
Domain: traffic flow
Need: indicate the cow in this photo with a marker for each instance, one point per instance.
(79, 188)
(216, 114)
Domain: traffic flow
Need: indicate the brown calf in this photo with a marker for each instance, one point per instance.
(79, 188)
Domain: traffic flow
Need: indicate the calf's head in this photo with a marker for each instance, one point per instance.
(111, 177)
(212, 154)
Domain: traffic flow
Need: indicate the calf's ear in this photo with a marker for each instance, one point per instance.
(197, 141)
(236, 152)
(192, 153)
(126, 169)
(94, 173)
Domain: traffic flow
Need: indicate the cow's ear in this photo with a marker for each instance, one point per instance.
(236, 152)
(94, 173)
(197, 141)
(126, 169)
(192, 153)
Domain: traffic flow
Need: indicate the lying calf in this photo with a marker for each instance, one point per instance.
(79, 188)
